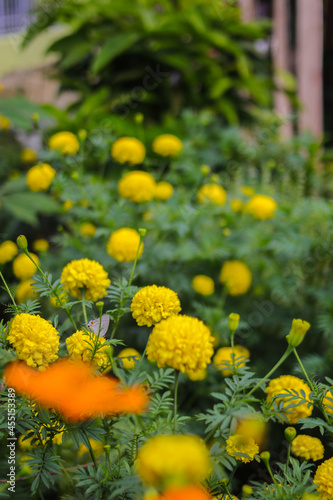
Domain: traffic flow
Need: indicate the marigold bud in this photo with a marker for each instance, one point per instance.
(265, 457)
(138, 118)
(82, 134)
(22, 242)
(298, 329)
(142, 231)
(290, 434)
(233, 322)
(247, 490)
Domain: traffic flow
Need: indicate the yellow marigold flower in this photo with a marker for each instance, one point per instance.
(23, 267)
(252, 425)
(34, 339)
(163, 190)
(8, 250)
(299, 328)
(28, 155)
(195, 375)
(242, 447)
(128, 150)
(67, 205)
(41, 245)
(123, 244)
(236, 205)
(5, 123)
(248, 191)
(66, 142)
(39, 177)
(87, 229)
(128, 358)
(288, 385)
(308, 447)
(212, 193)
(96, 446)
(328, 401)
(182, 342)
(137, 186)
(203, 284)
(236, 276)
(153, 303)
(223, 359)
(167, 145)
(324, 479)
(261, 207)
(24, 291)
(167, 458)
(81, 346)
(88, 275)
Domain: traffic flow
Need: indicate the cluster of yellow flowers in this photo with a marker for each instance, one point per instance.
(39, 177)
(86, 276)
(123, 244)
(34, 339)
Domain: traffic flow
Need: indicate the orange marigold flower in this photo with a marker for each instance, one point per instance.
(185, 493)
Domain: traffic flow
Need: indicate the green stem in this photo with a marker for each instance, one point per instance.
(175, 402)
(272, 476)
(7, 289)
(134, 264)
(84, 309)
(275, 367)
(288, 457)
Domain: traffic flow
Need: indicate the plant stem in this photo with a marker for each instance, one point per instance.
(288, 457)
(90, 448)
(7, 290)
(275, 367)
(303, 370)
(175, 402)
(84, 309)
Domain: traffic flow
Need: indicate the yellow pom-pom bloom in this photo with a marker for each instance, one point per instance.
(197, 375)
(24, 291)
(5, 123)
(223, 359)
(137, 186)
(167, 459)
(88, 275)
(128, 358)
(236, 276)
(328, 401)
(248, 191)
(39, 177)
(236, 205)
(242, 447)
(324, 479)
(167, 145)
(66, 142)
(308, 447)
(252, 425)
(81, 346)
(182, 342)
(23, 267)
(261, 207)
(123, 244)
(163, 191)
(34, 339)
(212, 193)
(153, 303)
(28, 155)
(128, 150)
(8, 250)
(87, 229)
(41, 245)
(203, 284)
(289, 385)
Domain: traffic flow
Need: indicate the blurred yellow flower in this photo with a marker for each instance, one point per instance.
(308, 447)
(96, 446)
(324, 479)
(87, 229)
(128, 150)
(66, 142)
(55, 302)
(5, 123)
(252, 425)
(123, 244)
(85, 275)
(236, 276)
(128, 357)
(87, 347)
(137, 186)
(248, 191)
(67, 205)
(8, 250)
(163, 190)
(167, 459)
(236, 205)
(203, 284)
(41, 245)
(212, 193)
(195, 375)
(328, 401)
(242, 447)
(39, 177)
(153, 303)
(261, 207)
(24, 291)
(167, 145)
(23, 267)
(223, 359)
(28, 155)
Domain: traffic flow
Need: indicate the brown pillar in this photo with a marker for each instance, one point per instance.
(309, 61)
(281, 59)
(248, 8)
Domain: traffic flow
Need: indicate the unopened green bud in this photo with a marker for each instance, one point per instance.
(299, 328)
(82, 134)
(233, 321)
(290, 434)
(138, 118)
(100, 306)
(22, 242)
(265, 457)
(107, 447)
(142, 231)
(247, 490)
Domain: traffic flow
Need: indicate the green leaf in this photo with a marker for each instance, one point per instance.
(113, 47)
(76, 54)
